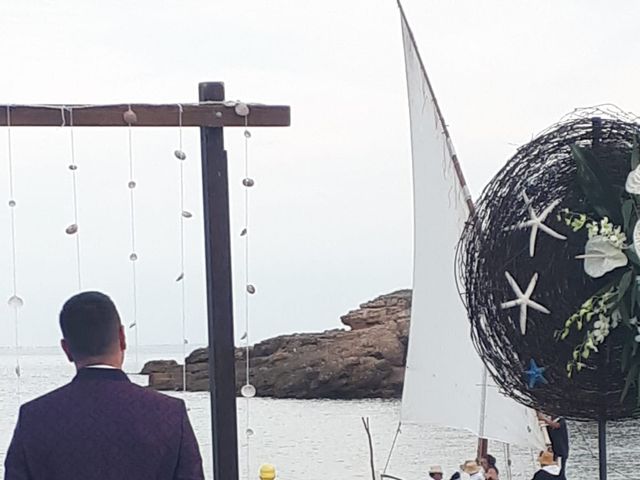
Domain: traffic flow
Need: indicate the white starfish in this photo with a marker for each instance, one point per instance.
(523, 300)
(537, 222)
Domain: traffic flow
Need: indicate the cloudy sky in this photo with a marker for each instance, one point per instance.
(331, 212)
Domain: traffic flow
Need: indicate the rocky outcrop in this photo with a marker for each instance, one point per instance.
(366, 361)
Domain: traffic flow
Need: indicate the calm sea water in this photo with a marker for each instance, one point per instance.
(317, 440)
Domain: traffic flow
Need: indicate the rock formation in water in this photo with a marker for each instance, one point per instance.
(366, 361)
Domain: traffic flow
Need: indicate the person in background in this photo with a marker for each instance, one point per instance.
(488, 463)
(559, 436)
(101, 425)
(435, 472)
(471, 468)
(549, 469)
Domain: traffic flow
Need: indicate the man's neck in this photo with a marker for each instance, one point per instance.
(99, 363)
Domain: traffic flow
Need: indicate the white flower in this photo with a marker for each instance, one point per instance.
(601, 256)
(637, 338)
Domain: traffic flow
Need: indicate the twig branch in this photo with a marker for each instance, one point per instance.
(365, 422)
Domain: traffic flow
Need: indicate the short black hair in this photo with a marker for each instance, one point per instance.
(90, 324)
(491, 460)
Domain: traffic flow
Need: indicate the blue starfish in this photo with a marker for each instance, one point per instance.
(535, 374)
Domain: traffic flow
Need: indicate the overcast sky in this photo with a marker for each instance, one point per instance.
(332, 206)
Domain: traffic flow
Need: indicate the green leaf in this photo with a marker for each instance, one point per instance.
(635, 153)
(634, 299)
(632, 256)
(626, 356)
(631, 379)
(595, 184)
(627, 214)
(625, 281)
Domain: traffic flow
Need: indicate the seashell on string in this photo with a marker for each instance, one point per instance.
(251, 289)
(133, 324)
(249, 432)
(133, 257)
(185, 341)
(242, 109)
(180, 155)
(73, 167)
(187, 214)
(632, 185)
(15, 302)
(248, 391)
(17, 371)
(248, 182)
(71, 229)
(130, 117)
(12, 203)
(247, 134)
(244, 336)
(243, 232)
(180, 277)
(229, 103)
(131, 184)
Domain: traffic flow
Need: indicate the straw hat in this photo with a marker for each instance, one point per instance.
(546, 459)
(436, 469)
(470, 467)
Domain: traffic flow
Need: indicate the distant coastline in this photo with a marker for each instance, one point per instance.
(364, 360)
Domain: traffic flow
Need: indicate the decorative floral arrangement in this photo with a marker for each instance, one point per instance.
(611, 253)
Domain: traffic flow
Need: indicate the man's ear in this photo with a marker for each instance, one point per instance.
(67, 350)
(123, 339)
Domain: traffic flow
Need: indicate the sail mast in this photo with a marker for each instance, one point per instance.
(445, 130)
(482, 442)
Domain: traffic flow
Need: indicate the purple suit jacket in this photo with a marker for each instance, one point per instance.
(102, 426)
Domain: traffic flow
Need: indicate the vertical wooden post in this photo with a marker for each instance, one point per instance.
(222, 385)
(602, 448)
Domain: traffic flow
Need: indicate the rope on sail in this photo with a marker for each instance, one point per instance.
(14, 302)
(131, 118)
(184, 214)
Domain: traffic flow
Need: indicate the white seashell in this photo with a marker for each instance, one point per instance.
(187, 214)
(73, 167)
(12, 203)
(251, 289)
(242, 109)
(248, 391)
(601, 256)
(132, 184)
(180, 155)
(15, 302)
(130, 117)
(133, 257)
(632, 184)
(243, 232)
(180, 277)
(71, 229)
(248, 182)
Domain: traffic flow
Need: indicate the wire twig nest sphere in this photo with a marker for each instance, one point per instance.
(545, 169)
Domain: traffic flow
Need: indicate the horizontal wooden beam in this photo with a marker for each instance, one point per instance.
(210, 114)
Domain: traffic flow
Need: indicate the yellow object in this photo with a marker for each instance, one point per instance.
(267, 472)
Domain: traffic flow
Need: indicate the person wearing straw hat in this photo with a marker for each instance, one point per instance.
(549, 469)
(435, 472)
(471, 468)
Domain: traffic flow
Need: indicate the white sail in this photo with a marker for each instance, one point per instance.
(444, 374)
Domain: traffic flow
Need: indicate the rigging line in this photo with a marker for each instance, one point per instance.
(133, 257)
(247, 135)
(74, 183)
(181, 159)
(15, 302)
(393, 445)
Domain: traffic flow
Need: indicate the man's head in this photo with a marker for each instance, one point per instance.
(435, 472)
(91, 330)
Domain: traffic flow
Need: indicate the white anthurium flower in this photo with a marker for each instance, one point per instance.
(636, 237)
(601, 256)
(632, 184)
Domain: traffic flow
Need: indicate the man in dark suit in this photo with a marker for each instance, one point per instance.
(101, 426)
